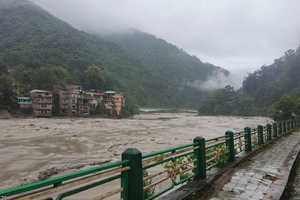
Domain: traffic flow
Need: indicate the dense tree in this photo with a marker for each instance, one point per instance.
(284, 108)
(44, 79)
(6, 88)
(3, 68)
(95, 77)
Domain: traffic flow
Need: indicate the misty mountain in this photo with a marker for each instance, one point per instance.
(260, 90)
(150, 70)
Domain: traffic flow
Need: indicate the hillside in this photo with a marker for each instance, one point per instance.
(32, 37)
(183, 72)
(260, 91)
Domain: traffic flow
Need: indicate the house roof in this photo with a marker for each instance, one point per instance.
(23, 98)
(110, 92)
(40, 91)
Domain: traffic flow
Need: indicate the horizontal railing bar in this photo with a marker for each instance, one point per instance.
(215, 145)
(155, 183)
(238, 133)
(109, 194)
(147, 161)
(188, 169)
(211, 166)
(157, 163)
(239, 136)
(161, 192)
(182, 155)
(154, 175)
(51, 181)
(189, 162)
(168, 150)
(215, 139)
(87, 187)
(184, 180)
(210, 154)
(212, 159)
(73, 184)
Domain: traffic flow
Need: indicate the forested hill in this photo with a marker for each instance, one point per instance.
(36, 43)
(261, 91)
(164, 58)
(269, 83)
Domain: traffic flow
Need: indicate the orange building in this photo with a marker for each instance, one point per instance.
(113, 102)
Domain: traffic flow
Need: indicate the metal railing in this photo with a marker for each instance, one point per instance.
(145, 177)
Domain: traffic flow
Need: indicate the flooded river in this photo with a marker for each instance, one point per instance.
(35, 149)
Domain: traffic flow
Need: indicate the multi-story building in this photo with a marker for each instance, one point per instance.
(69, 100)
(113, 102)
(41, 103)
(93, 99)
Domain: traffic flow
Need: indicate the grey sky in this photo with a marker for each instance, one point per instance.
(238, 35)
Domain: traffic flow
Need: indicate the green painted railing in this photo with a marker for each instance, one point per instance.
(145, 177)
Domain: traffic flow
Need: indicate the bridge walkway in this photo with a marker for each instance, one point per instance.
(263, 176)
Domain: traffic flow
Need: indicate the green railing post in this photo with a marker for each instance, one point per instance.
(288, 125)
(284, 127)
(292, 124)
(230, 145)
(269, 131)
(248, 139)
(280, 128)
(135, 174)
(260, 133)
(200, 155)
(275, 130)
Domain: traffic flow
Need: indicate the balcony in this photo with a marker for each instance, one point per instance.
(45, 95)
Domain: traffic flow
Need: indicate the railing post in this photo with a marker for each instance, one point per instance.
(275, 130)
(260, 132)
(135, 174)
(200, 155)
(248, 139)
(292, 124)
(280, 128)
(269, 131)
(288, 125)
(230, 145)
(284, 126)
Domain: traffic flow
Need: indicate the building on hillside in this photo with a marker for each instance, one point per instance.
(24, 102)
(114, 102)
(41, 103)
(68, 99)
(93, 99)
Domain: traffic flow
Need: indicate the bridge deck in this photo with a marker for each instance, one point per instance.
(263, 176)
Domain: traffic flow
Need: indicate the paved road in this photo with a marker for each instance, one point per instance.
(264, 176)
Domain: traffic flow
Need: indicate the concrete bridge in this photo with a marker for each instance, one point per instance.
(255, 163)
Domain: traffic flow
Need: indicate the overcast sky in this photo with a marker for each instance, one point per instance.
(238, 35)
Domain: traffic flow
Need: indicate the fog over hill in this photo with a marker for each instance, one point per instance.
(239, 36)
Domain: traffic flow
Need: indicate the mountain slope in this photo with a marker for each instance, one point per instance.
(183, 72)
(31, 35)
(163, 57)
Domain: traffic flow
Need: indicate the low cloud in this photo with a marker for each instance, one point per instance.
(216, 81)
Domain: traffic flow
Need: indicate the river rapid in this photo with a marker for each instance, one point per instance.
(39, 148)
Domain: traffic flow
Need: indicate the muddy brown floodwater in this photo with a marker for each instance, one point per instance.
(36, 149)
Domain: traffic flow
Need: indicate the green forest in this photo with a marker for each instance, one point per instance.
(272, 90)
(40, 50)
